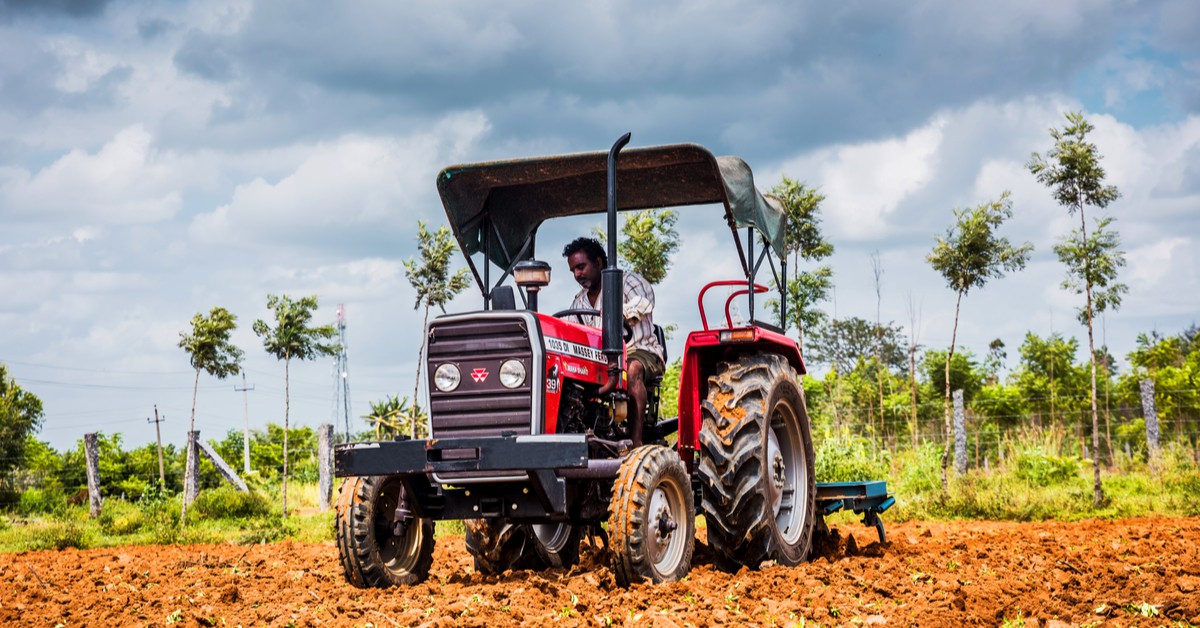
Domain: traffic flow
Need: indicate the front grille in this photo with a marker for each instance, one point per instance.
(479, 343)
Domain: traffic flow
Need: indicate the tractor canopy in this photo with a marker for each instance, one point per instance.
(495, 208)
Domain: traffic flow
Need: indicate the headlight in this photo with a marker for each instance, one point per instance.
(512, 373)
(446, 377)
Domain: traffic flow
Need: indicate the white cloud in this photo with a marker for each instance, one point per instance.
(865, 183)
(126, 181)
(356, 180)
(1149, 264)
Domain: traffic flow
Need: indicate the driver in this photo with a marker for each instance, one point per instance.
(644, 354)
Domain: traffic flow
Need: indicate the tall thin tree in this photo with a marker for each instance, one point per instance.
(1072, 170)
(803, 240)
(967, 257)
(435, 286)
(210, 350)
(293, 337)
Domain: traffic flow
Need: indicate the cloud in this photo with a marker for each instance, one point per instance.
(356, 186)
(864, 183)
(1150, 264)
(68, 8)
(125, 181)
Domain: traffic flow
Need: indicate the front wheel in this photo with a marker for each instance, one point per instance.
(756, 464)
(652, 520)
(375, 549)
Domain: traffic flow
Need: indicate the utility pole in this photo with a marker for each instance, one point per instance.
(246, 422)
(162, 473)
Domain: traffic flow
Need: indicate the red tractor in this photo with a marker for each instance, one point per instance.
(529, 439)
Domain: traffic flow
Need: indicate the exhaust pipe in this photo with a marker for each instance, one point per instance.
(612, 278)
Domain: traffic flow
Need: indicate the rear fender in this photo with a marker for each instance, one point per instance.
(703, 351)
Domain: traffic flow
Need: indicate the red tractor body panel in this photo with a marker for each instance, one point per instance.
(572, 352)
(701, 354)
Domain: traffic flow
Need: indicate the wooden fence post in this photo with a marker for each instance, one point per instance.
(325, 462)
(960, 434)
(91, 450)
(1151, 415)
(191, 473)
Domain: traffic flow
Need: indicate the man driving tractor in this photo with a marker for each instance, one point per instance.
(586, 258)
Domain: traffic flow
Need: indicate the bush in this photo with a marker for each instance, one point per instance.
(58, 536)
(121, 518)
(36, 501)
(267, 530)
(1039, 468)
(227, 502)
(161, 515)
(849, 459)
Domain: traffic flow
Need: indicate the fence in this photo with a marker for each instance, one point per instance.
(91, 482)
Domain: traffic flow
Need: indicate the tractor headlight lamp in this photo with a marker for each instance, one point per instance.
(512, 373)
(446, 377)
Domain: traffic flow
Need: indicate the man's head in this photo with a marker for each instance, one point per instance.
(586, 259)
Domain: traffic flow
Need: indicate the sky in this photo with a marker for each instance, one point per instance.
(158, 159)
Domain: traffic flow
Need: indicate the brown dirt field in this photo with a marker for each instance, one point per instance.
(1132, 572)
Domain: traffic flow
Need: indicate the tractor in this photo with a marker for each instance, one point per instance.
(529, 439)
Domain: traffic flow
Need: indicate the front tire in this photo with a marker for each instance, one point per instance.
(371, 553)
(652, 519)
(756, 464)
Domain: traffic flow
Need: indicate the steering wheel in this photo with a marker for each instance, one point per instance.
(587, 311)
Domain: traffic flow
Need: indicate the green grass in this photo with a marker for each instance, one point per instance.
(1031, 483)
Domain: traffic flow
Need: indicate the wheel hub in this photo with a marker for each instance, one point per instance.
(661, 523)
(778, 472)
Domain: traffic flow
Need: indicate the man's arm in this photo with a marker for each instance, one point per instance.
(639, 297)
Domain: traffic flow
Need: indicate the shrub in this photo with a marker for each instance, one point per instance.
(58, 536)
(121, 518)
(849, 459)
(1036, 466)
(161, 515)
(227, 502)
(36, 501)
(267, 530)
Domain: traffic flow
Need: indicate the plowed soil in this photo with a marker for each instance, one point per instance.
(1132, 572)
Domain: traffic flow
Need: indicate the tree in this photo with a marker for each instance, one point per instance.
(967, 257)
(20, 417)
(650, 241)
(1047, 376)
(1072, 170)
(842, 343)
(803, 240)
(994, 360)
(210, 350)
(293, 336)
(389, 416)
(433, 282)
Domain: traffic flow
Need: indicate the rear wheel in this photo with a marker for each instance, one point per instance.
(652, 520)
(373, 549)
(756, 464)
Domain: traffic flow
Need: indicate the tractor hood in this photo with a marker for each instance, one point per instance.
(512, 198)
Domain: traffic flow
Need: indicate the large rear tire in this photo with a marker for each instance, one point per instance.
(652, 518)
(756, 464)
(371, 553)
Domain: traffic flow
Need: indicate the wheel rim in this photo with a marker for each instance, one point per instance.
(787, 472)
(399, 554)
(552, 536)
(664, 538)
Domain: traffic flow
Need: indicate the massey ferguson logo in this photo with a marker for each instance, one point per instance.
(479, 375)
